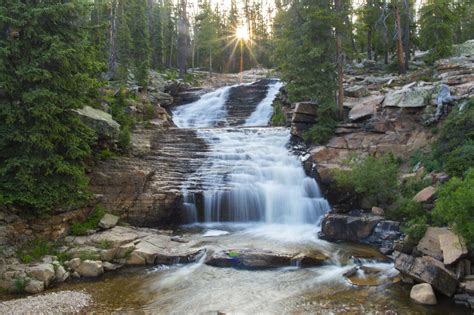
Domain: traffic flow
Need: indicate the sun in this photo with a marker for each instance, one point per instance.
(241, 33)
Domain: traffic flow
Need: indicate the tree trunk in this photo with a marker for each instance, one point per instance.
(369, 44)
(401, 61)
(112, 60)
(183, 35)
(406, 34)
(339, 57)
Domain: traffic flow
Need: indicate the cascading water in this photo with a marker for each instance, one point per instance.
(249, 176)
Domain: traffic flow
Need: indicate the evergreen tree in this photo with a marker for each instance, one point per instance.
(123, 41)
(157, 38)
(437, 28)
(46, 71)
(141, 51)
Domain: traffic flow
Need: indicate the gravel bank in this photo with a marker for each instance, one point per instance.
(49, 303)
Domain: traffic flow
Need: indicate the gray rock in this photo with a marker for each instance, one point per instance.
(90, 268)
(339, 227)
(34, 286)
(249, 258)
(108, 221)
(99, 121)
(356, 91)
(429, 244)
(427, 269)
(74, 263)
(409, 97)
(110, 267)
(42, 272)
(61, 274)
(453, 247)
(306, 108)
(423, 293)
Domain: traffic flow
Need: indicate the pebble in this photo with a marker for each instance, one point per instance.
(49, 303)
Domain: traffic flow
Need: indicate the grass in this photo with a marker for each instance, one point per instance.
(105, 244)
(20, 285)
(34, 250)
(91, 222)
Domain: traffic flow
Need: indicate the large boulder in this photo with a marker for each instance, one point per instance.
(100, 121)
(429, 244)
(90, 268)
(365, 107)
(339, 227)
(34, 286)
(452, 246)
(425, 195)
(410, 97)
(42, 272)
(423, 293)
(427, 269)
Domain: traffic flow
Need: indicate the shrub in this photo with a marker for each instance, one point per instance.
(415, 228)
(324, 128)
(35, 250)
(20, 285)
(455, 206)
(125, 120)
(278, 118)
(460, 160)
(91, 222)
(375, 179)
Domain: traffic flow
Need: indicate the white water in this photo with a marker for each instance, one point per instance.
(262, 114)
(249, 176)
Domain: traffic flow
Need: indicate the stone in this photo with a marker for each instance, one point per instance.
(409, 97)
(250, 258)
(61, 274)
(452, 246)
(425, 195)
(306, 108)
(74, 263)
(356, 91)
(136, 260)
(378, 211)
(303, 118)
(108, 221)
(423, 294)
(34, 286)
(429, 243)
(108, 254)
(362, 111)
(100, 121)
(339, 227)
(110, 267)
(427, 269)
(116, 236)
(468, 286)
(309, 259)
(76, 275)
(42, 272)
(90, 268)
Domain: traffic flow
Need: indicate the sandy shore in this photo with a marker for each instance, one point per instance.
(49, 303)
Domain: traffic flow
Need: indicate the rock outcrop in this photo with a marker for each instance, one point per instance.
(100, 121)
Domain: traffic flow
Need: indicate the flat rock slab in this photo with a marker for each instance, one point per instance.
(262, 259)
(425, 195)
(118, 235)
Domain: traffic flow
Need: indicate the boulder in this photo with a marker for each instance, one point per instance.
(306, 108)
(90, 268)
(356, 91)
(468, 286)
(74, 263)
(136, 259)
(42, 272)
(425, 195)
(410, 97)
(339, 227)
(427, 269)
(423, 293)
(117, 236)
(378, 211)
(34, 286)
(429, 244)
(309, 260)
(110, 267)
(250, 258)
(100, 121)
(303, 118)
(61, 274)
(108, 221)
(452, 246)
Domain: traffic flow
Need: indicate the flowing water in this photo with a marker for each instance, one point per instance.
(255, 195)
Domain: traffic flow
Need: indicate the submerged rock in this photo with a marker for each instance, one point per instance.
(423, 293)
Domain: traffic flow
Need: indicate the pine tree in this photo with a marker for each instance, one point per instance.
(437, 28)
(157, 38)
(46, 71)
(141, 51)
(123, 41)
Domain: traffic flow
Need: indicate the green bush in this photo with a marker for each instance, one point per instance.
(415, 228)
(91, 222)
(455, 206)
(125, 120)
(374, 179)
(278, 118)
(405, 209)
(324, 128)
(20, 285)
(460, 160)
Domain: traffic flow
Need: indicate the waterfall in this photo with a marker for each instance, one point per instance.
(249, 174)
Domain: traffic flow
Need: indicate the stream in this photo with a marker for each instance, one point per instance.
(255, 194)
